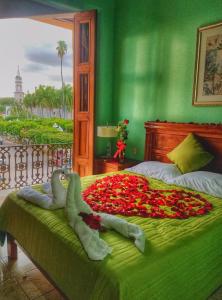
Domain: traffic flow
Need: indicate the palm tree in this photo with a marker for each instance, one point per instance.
(68, 91)
(30, 102)
(62, 50)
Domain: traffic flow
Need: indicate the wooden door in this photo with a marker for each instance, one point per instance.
(84, 91)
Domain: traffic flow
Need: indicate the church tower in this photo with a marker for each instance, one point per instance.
(19, 95)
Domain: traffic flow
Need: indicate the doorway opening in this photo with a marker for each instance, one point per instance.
(83, 115)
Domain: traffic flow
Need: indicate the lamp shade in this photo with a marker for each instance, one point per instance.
(106, 131)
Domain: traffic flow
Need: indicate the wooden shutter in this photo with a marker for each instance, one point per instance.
(84, 91)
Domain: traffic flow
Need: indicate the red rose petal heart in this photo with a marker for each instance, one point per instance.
(131, 195)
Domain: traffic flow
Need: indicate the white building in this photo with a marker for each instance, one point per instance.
(19, 95)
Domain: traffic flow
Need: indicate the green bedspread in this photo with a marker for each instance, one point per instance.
(182, 260)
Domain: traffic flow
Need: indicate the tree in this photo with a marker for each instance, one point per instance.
(19, 110)
(4, 102)
(48, 98)
(30, 101)
(62, 50)
(7, 101)
(68, 92)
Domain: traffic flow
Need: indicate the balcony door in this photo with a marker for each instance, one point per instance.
(84, 37)
(83, 26)
(84, 91)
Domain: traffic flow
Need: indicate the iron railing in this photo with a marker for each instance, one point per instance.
(22, 165)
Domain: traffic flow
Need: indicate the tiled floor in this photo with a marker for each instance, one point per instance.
(21, 280)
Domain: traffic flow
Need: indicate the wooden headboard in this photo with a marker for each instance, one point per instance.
(162, 137)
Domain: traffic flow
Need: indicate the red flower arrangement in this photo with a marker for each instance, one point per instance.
(93, 221)
(130, 195)
(122, 136)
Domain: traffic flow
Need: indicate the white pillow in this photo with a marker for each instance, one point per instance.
(202, 181)
(156, 169)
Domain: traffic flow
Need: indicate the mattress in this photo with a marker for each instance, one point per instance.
(182, 259)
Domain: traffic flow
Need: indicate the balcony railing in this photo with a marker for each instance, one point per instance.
(22, 165)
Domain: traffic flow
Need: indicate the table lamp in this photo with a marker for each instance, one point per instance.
(107, 132)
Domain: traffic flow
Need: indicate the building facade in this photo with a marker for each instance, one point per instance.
(19, 94)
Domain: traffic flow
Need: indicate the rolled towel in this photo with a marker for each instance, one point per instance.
(55, 196)
(125, 228)
(47, 188)
(58, 190)
(74, 202)
(35, 197)
(95, 247)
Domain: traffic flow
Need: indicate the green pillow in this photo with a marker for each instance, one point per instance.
(189, 155)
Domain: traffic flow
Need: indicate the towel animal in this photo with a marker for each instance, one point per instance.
(95, 247)
(55, 196)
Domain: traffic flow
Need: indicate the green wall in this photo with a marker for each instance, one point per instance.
(104, 65)
(154, 57)
(145, 62)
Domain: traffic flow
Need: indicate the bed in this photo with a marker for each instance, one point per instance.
(182, 259)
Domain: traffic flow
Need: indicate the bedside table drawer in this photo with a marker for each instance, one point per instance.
(102, 165)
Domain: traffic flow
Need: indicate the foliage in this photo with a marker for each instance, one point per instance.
(122, 136)
(7, 101)
(39, 131)
(2, 108)
(18, 110)
(122, 132)
(62, 50)
(50, 98)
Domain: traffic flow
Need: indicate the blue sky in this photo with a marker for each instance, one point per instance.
(32, 46)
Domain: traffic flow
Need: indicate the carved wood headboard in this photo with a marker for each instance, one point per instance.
(162, 137)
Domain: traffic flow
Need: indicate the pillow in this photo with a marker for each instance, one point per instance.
(189, 155)
(202, 181)
(156, 169)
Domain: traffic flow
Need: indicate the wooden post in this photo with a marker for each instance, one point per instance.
(11, 247)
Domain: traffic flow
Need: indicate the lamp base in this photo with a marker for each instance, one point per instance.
(109, 149)
(121, 160)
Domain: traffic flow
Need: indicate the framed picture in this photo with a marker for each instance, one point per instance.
(208, 72)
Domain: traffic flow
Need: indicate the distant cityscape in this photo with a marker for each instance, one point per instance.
(20, 97)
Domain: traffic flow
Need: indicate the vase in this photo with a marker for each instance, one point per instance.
(121, 157)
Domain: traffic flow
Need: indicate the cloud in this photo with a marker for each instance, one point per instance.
(47, 56)
(67, 78)
(32, 67)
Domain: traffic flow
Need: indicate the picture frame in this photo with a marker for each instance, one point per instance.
(207, 89)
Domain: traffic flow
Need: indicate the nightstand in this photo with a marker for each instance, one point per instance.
(105, 165)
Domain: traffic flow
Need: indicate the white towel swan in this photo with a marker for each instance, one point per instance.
(55, 196)
(95, 247)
